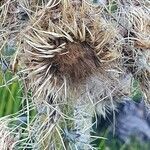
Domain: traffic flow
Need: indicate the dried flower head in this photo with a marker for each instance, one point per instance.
(69, 45)
(135, 18)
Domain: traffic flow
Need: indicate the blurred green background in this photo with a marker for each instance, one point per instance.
(10, 94)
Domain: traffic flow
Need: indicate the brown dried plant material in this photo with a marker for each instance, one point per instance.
(72, 55)
(140, 20)
(66, 42)
(133, 19)
(139, 17)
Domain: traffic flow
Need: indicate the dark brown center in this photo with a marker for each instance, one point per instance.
(77, 64)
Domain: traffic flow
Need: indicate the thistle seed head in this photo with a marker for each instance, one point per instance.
(66, 44)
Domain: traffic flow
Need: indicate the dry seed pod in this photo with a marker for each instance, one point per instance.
(72, 55)
(67, 46)
(136, 22)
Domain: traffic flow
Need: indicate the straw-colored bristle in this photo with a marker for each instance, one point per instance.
(66, 41)
(140, 21)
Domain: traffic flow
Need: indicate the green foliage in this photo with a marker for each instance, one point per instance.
(136, 92)
(112, 6)
(10, 94)
(114, 144)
